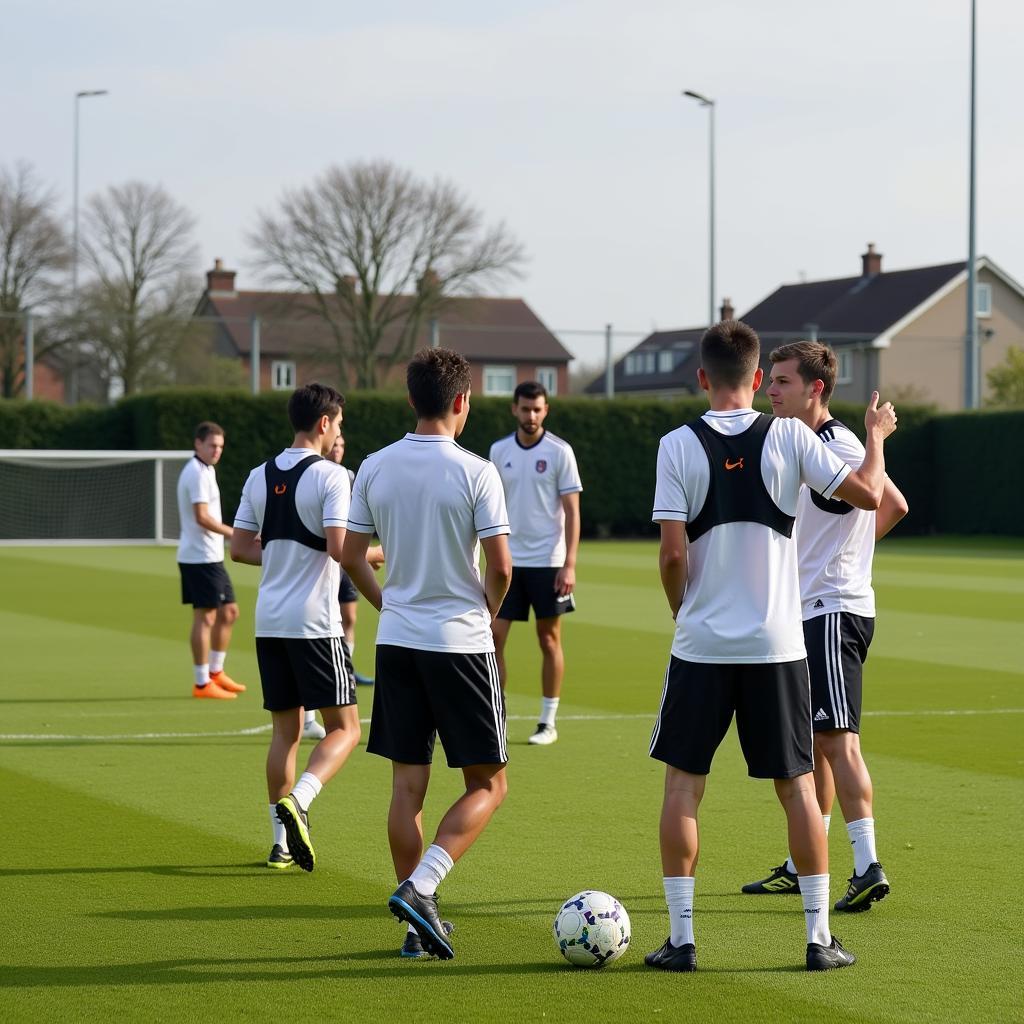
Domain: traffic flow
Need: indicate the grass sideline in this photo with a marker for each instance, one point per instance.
(132, 875)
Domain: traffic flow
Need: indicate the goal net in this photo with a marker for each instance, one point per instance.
(89, 497)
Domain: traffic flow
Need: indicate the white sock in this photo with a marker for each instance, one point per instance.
(352, 654)
(280, 836)
(307, 789)
(862, 837)
(310, 718)
(548, 711)
(217, 661)
(679, 897)
(814, 893)
(431, 870)
(202, 673)
(790, 866)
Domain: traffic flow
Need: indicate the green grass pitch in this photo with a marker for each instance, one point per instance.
(135, 820)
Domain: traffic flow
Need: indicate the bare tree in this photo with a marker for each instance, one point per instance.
(379, 252)
(137, 245)
(33, 250)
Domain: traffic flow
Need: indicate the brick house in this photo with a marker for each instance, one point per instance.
(504, 340)
(900, 332)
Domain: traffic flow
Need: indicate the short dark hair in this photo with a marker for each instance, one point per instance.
(434, 377)
(814, 361)
(308, 403)
(729, 353)
(208, 428)
(529, 389)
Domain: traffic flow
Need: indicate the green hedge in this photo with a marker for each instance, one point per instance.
(936, 460)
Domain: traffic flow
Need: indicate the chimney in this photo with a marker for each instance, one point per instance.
(220, 281)
(871, 262)
(727, 311)
(429, 282)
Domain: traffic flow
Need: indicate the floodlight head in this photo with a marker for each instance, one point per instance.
(92, 92)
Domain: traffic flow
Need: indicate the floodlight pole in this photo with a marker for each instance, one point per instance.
(972, 368)
(73, 379)
(709, 103)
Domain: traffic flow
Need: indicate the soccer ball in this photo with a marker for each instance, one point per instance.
(591, 929)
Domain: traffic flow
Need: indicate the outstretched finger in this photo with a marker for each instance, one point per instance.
(873, 404)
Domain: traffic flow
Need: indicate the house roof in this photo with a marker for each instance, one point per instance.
(682, 376)
(479, 328)
(849, 305)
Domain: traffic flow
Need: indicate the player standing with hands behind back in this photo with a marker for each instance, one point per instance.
(542, 489)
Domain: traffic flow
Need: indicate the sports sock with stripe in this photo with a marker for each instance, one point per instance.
(431, 870)
(202, 674)
(814, 893)
(679, 897)
(862, 838)
(548, 711)
(309, 718)
(217, 659)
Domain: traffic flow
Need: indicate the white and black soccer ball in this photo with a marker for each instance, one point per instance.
(591, 929)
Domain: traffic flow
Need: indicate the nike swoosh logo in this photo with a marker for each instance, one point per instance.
(734, 465)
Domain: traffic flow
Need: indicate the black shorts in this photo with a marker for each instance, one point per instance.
(837, 647)
(418, 695)
(773, 717)
(313, 673)
(534, 587)
(205, 584)
(347, 590)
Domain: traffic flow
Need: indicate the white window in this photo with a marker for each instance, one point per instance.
(844, 369)
(631, 364)
(983, 300)
(547, 378)
(665, 361)
(282, 375)
(499, 380)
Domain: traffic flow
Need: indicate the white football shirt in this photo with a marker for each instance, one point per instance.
(742, 599)
(430, 501)
(197, 484)
(835, 551)
(535, 479)
(298, 595)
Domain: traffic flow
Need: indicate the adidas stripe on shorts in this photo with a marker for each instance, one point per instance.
(837, 647)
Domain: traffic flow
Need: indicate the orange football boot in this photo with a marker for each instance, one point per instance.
(211, 691)
(225, 682)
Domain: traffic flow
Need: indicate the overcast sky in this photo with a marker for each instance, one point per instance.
(838, 124)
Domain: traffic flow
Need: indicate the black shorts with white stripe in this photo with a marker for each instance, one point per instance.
(837, 647)
(419, 695)
(311, 673)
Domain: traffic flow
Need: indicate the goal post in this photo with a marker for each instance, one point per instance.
(55, 496)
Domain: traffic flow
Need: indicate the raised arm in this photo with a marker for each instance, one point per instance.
(863, 487)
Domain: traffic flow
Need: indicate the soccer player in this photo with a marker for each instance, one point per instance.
(433, 504)
(542, 488)
(205, 583)
(835, 545)
(726, 499)
(348, 596)
(291, 520)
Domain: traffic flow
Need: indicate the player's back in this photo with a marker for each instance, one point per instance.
(430, 501)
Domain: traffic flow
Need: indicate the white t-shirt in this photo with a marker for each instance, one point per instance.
(197, 484)
(430, 501)
(298, 595)
(742, 598)
(835, 551)
(535, 481)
